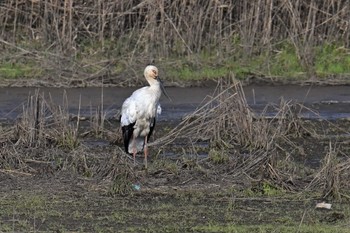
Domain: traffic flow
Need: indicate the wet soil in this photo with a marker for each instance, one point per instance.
(95, 188)
(173, 212)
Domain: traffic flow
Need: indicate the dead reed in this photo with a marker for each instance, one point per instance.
(227, 121)
(98, 117)
(46, 140)
(144, 30)
(239, 142)
(43, 123)
(246, 141)
(183, 25)
(332, 176)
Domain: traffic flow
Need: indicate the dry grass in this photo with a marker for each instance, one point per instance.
(244, 142)
(238, 141)
(133, 33)
(183, 25)
(227, 121)
(333, 175)
(236, 133)
(46, 139)
(45, 123)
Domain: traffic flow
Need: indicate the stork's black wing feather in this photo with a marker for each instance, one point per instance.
(153, 124)
(127, 134)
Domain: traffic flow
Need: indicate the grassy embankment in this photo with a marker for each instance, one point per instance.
(332, 64)
(85, 44)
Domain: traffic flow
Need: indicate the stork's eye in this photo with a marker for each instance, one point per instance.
(154, 72)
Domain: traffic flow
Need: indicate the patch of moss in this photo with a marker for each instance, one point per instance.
(332, 59)
(270, 190)
(285, 63)
(218, 156)
(317, 228)
(280, 62)
(19, 70)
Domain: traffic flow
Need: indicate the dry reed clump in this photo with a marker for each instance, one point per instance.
(183, 26)
(227, 121)
(110, 167)
(248, 141)
(119, 171)
(241, 142)
(46, 140)
(134, 31)
(44, 123)
(332, 176)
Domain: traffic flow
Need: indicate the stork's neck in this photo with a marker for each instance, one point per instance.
(155, 89)
(154, 84)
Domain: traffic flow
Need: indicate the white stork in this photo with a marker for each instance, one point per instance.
(139, 112)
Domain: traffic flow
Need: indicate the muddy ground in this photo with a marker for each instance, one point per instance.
(50, 184)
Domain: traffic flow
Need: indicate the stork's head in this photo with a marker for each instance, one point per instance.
(151, 74)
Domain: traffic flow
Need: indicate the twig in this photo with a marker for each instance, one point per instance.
(6, 171)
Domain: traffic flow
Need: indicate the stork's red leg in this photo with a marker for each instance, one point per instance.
(145, 150)
(134, 150)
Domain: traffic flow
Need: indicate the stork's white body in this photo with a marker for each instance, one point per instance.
(141, 109)
(139, 112)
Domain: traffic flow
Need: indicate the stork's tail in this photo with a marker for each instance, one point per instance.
(139, 144)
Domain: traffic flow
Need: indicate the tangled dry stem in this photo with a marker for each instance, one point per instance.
(239, 142)
(182, 25)
(332, 176)
(250, 142)
(144, 30)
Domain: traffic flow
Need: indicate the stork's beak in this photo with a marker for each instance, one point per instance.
(163, 89)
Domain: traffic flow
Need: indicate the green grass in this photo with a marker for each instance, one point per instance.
(218, 156)
(280, 228)
(280, 62)
(20, 70)
(187, 73)
(285, 63)
(176, 211)
(332, 60)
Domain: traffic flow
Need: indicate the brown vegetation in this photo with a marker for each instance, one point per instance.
(138, 32)
(223, 141)
(243, 143)
(184, 26)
